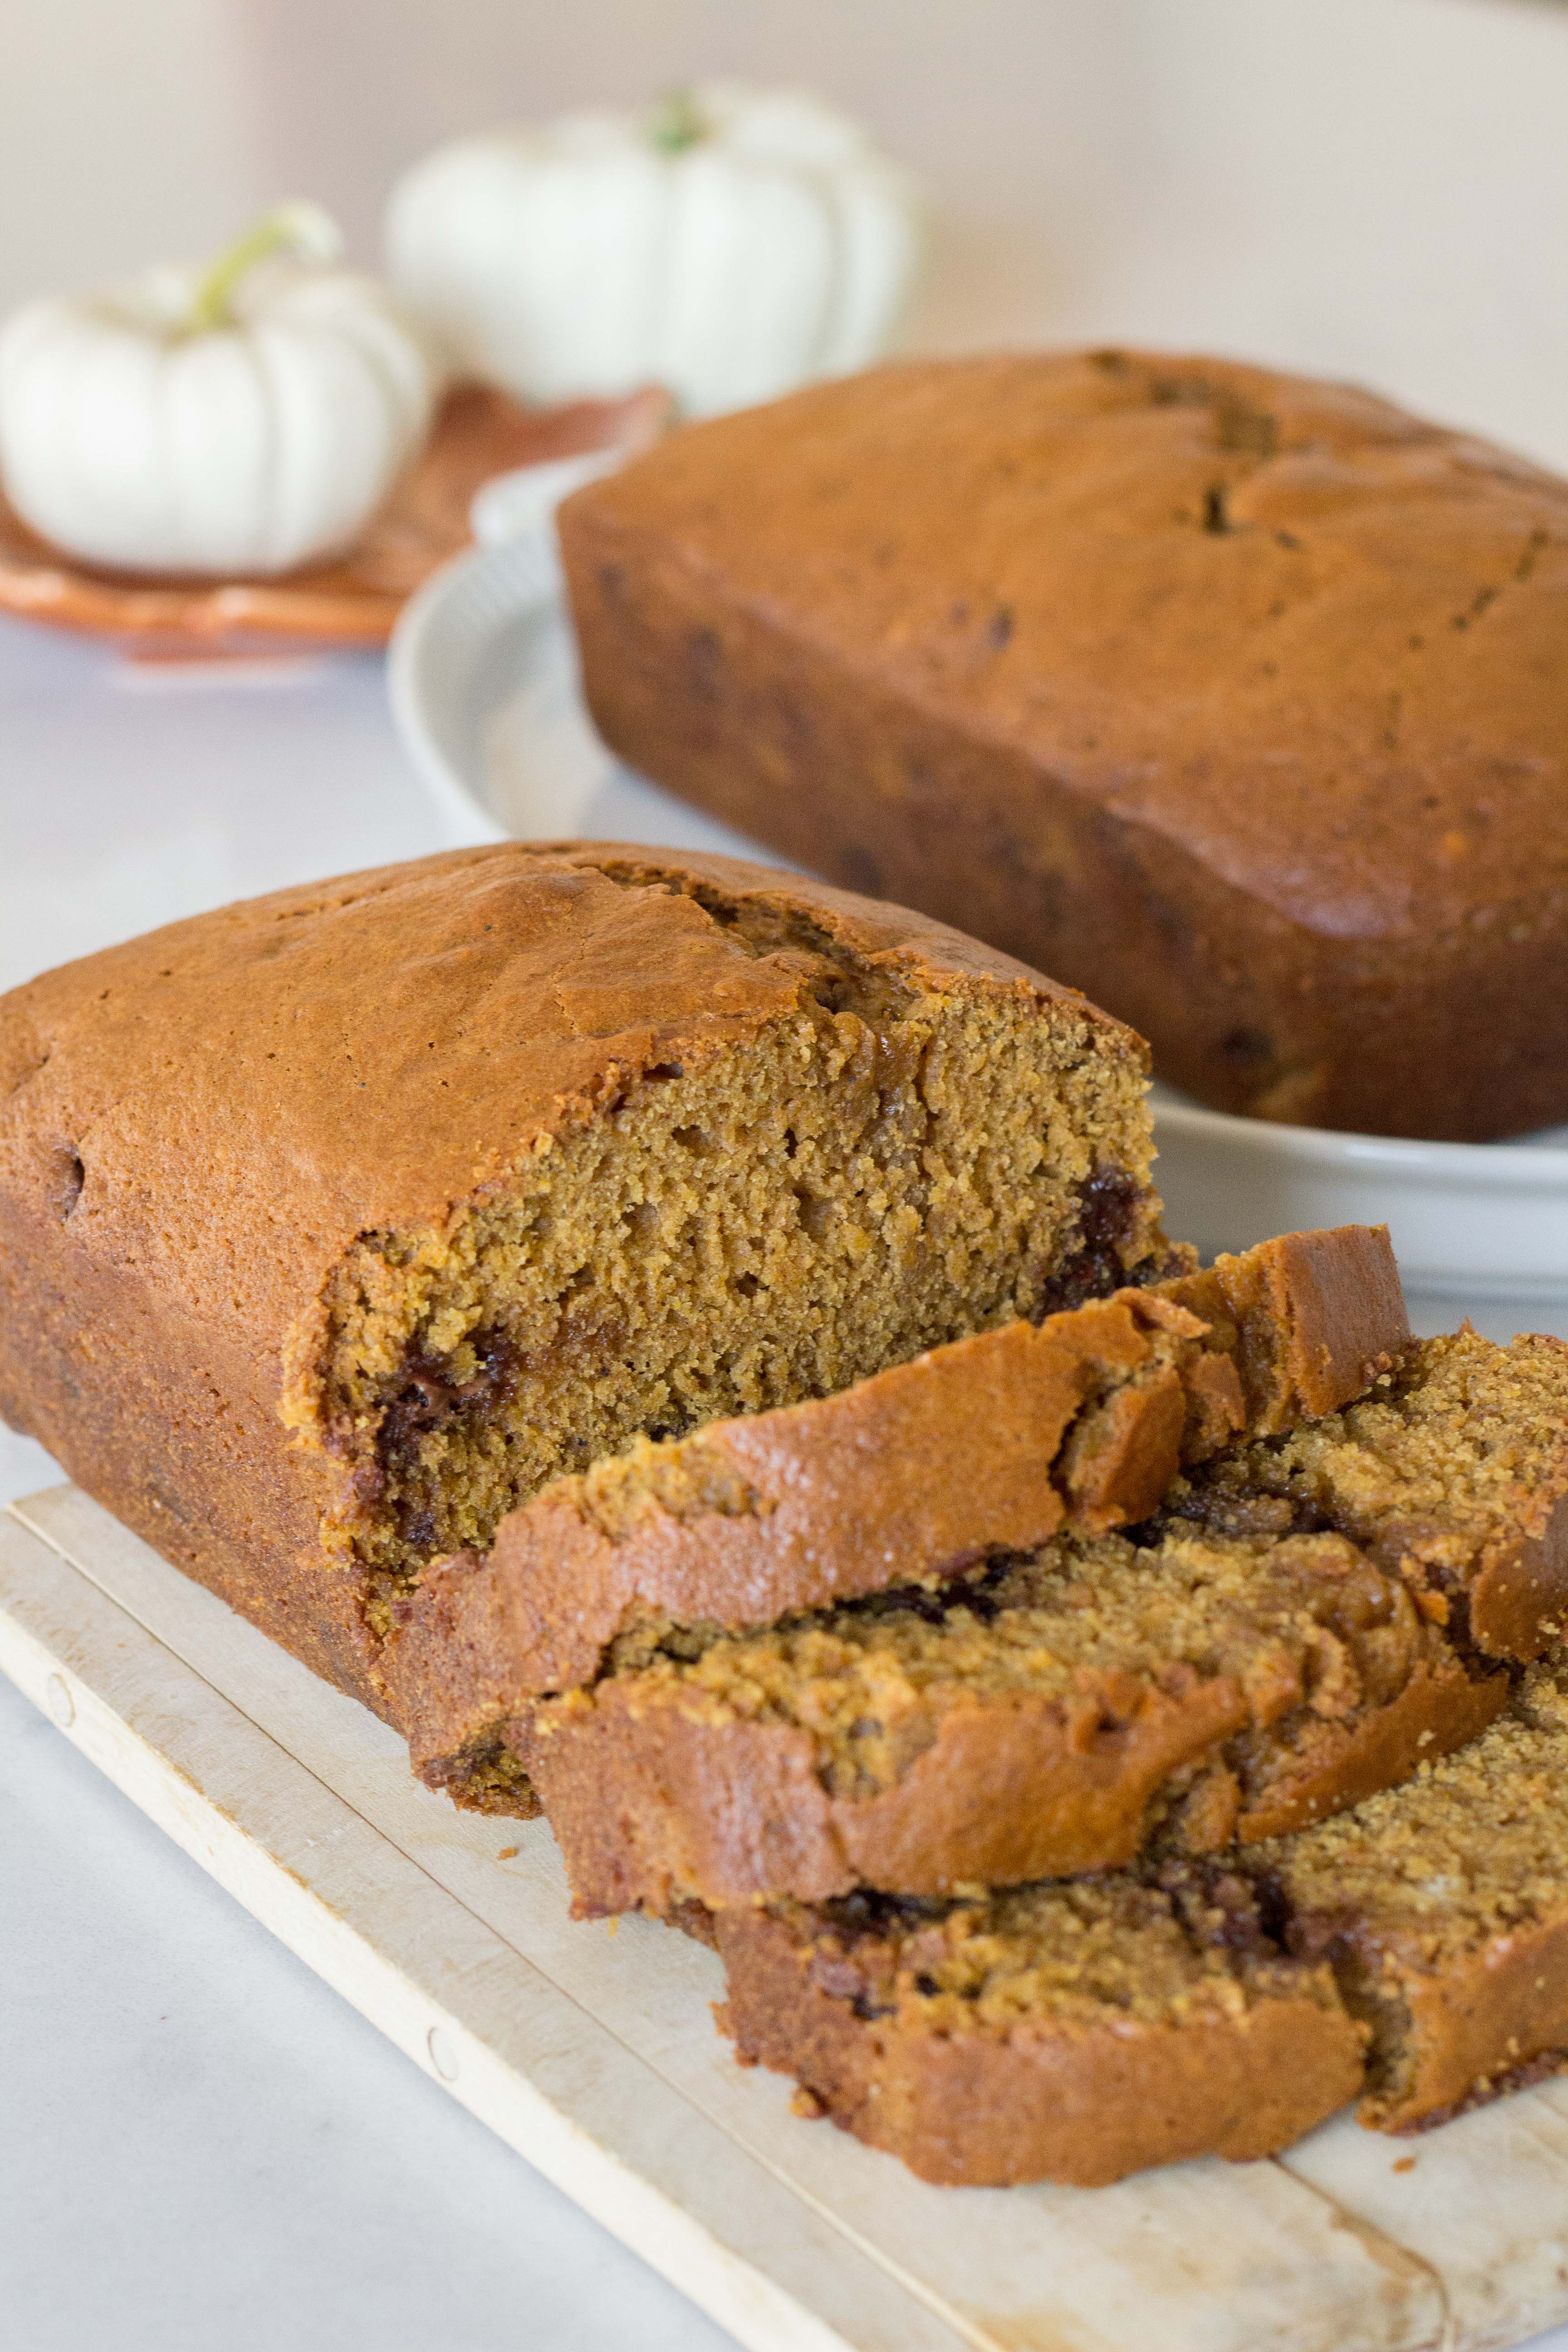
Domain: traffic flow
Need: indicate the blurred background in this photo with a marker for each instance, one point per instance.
(1372, 187)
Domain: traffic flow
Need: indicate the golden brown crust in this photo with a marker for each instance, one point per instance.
(280, 1033)
(1317, 1315)
(196, 1126)
(1092, 601)
(653, 1801)
(1483, 2026)
(1519, 1594)
(1085, 2101)
(651, 1806)
(1439, 1708)
(823, 1501)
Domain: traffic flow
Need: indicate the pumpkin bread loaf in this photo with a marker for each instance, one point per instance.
(1233, 697)
(334, 1224)
(1079, 2031)
(917, 1474)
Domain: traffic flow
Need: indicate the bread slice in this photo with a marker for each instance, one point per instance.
(1079, 2031)
(1044, 1721)
(1455, 1473)
(990, 1444)
(334, 1224)
(1047, 1719)
(1071, 2033)
(1443, 1906)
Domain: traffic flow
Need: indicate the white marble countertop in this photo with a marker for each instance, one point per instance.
(199, 2142)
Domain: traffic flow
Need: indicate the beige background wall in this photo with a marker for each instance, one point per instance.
(1373, 187)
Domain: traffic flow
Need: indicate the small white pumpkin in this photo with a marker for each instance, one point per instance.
(728, 244)
(239, 421)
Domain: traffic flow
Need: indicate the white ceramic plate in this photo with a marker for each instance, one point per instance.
(484, 690)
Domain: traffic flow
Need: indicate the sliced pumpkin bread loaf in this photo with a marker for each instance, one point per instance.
(914, 1476)
(334, 1224)
(1414, 1950)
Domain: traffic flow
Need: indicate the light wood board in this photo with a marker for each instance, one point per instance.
(593, 2054)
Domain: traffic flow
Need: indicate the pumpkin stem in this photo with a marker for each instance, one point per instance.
(301, 228)
(677, 123)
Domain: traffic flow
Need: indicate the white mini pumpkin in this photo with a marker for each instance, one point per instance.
(728, 244)
(239, 421)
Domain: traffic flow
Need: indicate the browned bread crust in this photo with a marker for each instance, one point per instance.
(662, 1790)
(1234, 697)
(1230, 2051)
(991, 1443)
(222, 1144)
(1309, 1319)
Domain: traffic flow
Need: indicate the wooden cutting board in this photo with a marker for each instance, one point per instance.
(592, 2052)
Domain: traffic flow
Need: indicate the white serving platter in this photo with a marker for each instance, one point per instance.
(593, 2052)
(484, 686)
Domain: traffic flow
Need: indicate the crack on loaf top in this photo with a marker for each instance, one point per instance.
(761, 927)
(21, 1066)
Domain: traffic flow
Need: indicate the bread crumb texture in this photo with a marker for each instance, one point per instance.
(1072, 1950)
(1455, 1471)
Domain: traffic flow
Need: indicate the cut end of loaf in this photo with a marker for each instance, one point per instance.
(895, 1159)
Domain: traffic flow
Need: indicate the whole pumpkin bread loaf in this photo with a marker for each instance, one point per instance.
(334, 1224)
(1233, 697)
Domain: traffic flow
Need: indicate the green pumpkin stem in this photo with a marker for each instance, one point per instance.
(677, 123)
(291, 229)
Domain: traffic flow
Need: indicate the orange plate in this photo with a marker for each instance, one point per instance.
(478, 432)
